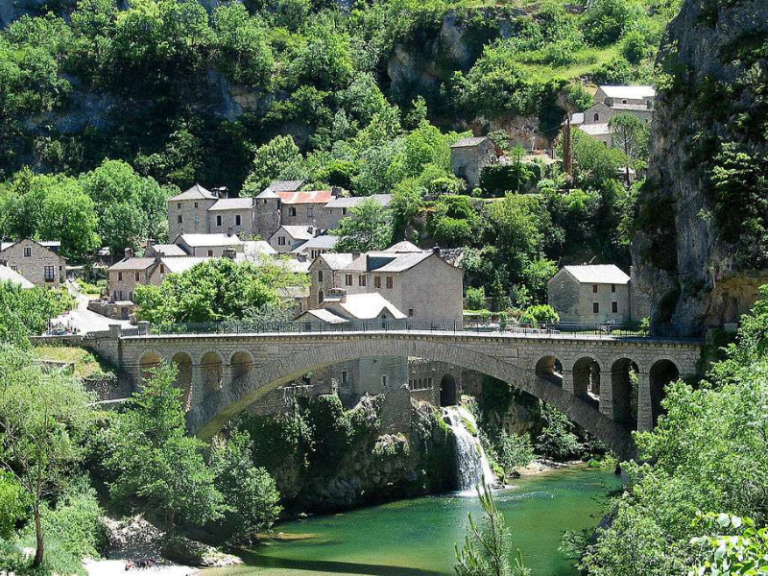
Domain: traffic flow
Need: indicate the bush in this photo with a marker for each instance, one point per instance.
(476, 298)
(543, 313)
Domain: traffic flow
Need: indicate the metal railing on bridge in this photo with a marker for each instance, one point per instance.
(408, 325)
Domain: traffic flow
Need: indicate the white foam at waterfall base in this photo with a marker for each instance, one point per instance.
(471, 463)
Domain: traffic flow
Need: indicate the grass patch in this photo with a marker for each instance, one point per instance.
(86, 364)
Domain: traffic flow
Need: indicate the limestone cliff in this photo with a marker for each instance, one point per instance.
(700, 249)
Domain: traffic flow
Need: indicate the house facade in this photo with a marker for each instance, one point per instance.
(209, 245)
(611, 101)
(126, 275)
(38, 262)
(593, 294)
(469, 156)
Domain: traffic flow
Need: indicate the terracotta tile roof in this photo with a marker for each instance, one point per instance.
(197, 192)
(307, 197)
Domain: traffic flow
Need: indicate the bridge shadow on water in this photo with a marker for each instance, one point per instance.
(329, 566)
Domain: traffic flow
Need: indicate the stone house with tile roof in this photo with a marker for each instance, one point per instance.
(288, 238)
(469, 156)
(188, 211)
(209, 245)
(124, 276)
(39, 262)
(591, 294)
(611, 101)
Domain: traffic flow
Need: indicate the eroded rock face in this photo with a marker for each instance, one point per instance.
(693, 276)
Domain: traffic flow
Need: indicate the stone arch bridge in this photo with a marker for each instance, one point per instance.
(608, 385)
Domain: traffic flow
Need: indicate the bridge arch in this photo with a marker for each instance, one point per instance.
(184, 376)
(624, 389)
(149, 361)
(587, 370)
(662, 371)
(449, 390)
(212, 371)
(551, 369)
(209, 415)
(241, 363)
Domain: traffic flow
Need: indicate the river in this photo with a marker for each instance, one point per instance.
(416, 537)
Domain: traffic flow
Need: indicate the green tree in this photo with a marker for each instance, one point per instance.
(476, 298)
(627, 133)
(368, 228)
(14, 503)
(156, 461)
(269, 161)
(43, 420)
(487, 549)
(250, 493)
(406, 205)
(243, 51)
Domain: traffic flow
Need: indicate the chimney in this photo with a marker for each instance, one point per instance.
(128, 253)
(221, 192)
(355, 255)
(311, 229)
(230, 253)
(336, 191)
(230, 231)
(436, 250)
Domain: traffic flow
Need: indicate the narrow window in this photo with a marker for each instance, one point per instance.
(49, 272)
(219, 220)
(178, 205)
(136, 277)
(615, 307)
(27, 252)
(310, 211)
(195, 204)
(410, 312)
(178, 218)
(281, 241)
(210, 253)
(348, 280)
(594, 288)
(162, 268)
(119, 276)
(383, 381)
(320, 296)
(597, 117)
(291, 211)
(238, 220)
(613, 288)
(389, 282)
(361, 280)
(596, 307)
(343, 211)
(344, 377)
(319, 275)
(377, 281)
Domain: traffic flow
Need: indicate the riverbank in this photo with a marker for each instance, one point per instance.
(118, 568)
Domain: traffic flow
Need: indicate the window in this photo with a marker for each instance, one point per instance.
(210, 253)
(314, 253)
(361, 280)
(649, 104)
(50, 273)
(429, 382)
(383, 381)
(238, 220)
(615, 307)
(594, 288)
(120, 294)
(136, 277)
(119, 276)
(348, 280)
(320, 296)
(343, 211)
(264, 201)
(389, 282)
(377, 281)
(613, 288)
(162, 268)
(310, 211)
(281, 241)
(195, 204)
(27, 252)
(178, 218)
(410, 312)
(219, 220)
(597, 117)
(319, 275)
(292, 211)
(624, 101)
(344, 378)
(595, 307)
(178, 205)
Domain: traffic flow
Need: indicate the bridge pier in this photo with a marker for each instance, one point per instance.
(568, 381)
(644, 406)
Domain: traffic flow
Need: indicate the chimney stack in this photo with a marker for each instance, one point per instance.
(436, 250)
(336, 191)
(128, 253)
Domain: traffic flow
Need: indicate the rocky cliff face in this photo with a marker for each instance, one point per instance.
(698, 253)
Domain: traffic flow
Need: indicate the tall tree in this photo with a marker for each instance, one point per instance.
(368, 228)
(43, 419)
(627, 134)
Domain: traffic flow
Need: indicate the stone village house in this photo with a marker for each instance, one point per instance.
(38, 262)
(593, 294)
(469, 156)
(611, 101)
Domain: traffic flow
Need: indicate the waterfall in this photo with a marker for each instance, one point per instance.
(471, 461)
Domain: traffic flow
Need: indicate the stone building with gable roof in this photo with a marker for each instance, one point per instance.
(611, 101)
(39, 262)
(469, 156)
(590, 294)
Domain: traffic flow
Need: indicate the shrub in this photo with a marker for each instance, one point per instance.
(543, 313)
(476, 298)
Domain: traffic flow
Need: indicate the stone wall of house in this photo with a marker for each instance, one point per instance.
(225, 222)
(194, 217)
(468, 162)
(574, 301)
(32, 267)
(267, 217)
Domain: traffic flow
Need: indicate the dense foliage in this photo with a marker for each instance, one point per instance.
(219, 289)
(707, 454)
(27, 312)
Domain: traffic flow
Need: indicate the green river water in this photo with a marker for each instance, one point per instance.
(416, 537)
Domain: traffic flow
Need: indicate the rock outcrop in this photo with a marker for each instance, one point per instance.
(691, 255)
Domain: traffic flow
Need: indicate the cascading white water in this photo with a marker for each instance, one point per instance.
(471, 462)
